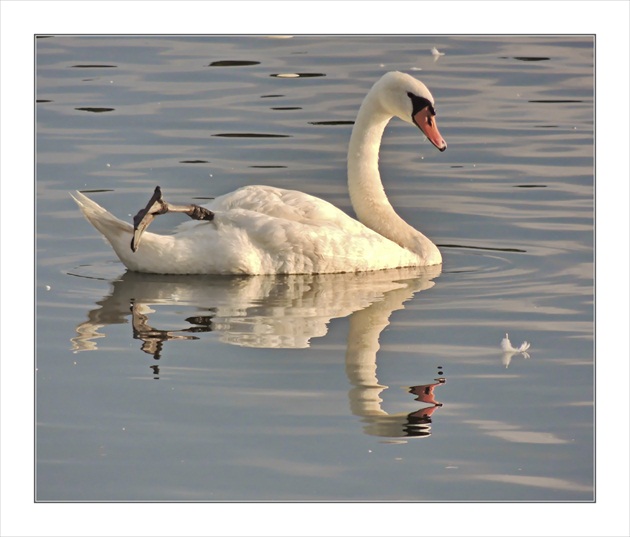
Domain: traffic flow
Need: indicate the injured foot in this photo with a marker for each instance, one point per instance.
(157, 206)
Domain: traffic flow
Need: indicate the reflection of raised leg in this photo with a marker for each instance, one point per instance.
(157, 206)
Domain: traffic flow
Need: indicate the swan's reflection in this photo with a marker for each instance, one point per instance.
(279, 312)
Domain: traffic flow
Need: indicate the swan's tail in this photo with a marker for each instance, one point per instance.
(114, 229)
(101, 219)
(117, 232)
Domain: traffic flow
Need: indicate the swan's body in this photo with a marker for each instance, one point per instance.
(267, 230)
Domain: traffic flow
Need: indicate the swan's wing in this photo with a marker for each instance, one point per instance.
(270, 230)
(281, 203)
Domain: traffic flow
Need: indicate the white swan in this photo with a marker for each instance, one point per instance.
(267, 230)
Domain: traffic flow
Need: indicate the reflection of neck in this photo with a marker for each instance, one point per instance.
(363, 343)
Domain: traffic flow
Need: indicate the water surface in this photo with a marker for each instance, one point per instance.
(383, 386)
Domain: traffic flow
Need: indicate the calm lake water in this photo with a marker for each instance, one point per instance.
(390, 386)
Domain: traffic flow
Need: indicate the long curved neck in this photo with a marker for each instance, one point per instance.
(367, 194)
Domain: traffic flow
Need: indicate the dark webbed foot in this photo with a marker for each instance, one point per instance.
(145, 216)
(199, 213)
(157, 206)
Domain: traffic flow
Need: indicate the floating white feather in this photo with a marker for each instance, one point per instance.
(506, 345)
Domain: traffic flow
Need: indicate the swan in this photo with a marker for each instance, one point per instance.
(267, 230)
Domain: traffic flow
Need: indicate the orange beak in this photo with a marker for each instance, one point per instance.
(425, 119)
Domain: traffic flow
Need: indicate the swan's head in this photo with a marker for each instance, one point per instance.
(409, 99)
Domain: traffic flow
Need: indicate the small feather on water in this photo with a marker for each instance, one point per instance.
(506, 345)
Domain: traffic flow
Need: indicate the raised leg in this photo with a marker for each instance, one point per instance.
(157, 206)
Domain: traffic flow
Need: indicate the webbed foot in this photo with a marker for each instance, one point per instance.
(145, 216)
(157, 206)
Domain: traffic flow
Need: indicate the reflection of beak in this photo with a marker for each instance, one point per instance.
(425, 119)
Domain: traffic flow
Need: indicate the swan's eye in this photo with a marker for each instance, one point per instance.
(419, 103)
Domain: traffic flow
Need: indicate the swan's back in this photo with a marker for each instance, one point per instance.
(281, 203)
